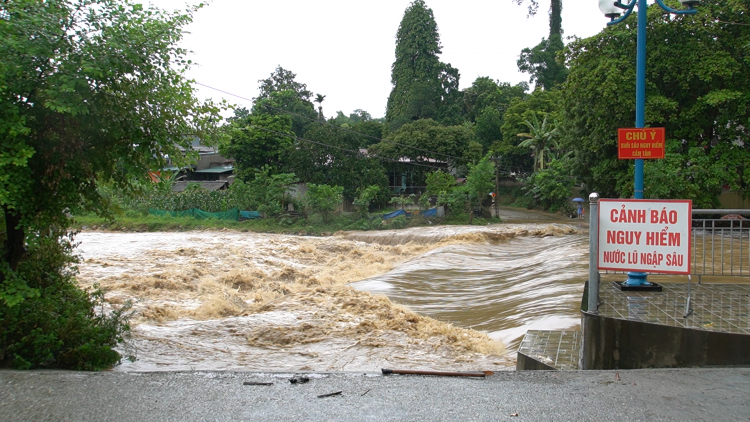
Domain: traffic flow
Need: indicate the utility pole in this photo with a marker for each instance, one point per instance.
(495, 199)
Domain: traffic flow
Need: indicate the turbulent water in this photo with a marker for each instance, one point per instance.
(453, 296)
(504, 289)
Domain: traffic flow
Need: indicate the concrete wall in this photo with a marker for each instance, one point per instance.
(610, 343)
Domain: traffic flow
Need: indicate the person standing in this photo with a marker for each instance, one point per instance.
(580, 211)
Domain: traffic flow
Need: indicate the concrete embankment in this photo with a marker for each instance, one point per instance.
(671, 395)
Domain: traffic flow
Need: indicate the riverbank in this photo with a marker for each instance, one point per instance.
(660, 394)
(311, 226)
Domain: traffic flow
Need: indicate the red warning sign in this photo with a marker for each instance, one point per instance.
(641, 143)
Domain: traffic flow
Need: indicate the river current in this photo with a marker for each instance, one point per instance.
(444, 297)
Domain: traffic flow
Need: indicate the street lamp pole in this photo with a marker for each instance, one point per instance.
(612, 9)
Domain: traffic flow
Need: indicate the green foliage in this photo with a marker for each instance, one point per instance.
(423, 87)
(333, 158)
(258, 140)
(540, 138)
(486, 93)
(455, 199)
(550, 187)
(323, 198)
(540, 104)
(480, 181)
(541, 62)
(60, 326)
(473, 152)
(697, 87)
(283, 80)
(90, 90)
(402, 200)
(364, 198)
(439, 182)
(268, 190)
(425, 141)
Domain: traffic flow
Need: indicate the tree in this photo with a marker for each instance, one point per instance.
(90, 90)
(365, 196)
(426, 141)
(541, 61)
(281, 94)
(283, 80)
(86, 96)
(439, 182)
(539, 138)
(540, 103)
(323, 198)
(319, 99)
(268, 190)
(258, 140)
(533, 5)
(423, 87)
(480, 182)
(697, 87)
(485, 93)
(551, 187)
(330, 155)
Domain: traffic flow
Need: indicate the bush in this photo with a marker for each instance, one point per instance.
(61, 326)
(551, 187)
(323, 198)
(364, 198)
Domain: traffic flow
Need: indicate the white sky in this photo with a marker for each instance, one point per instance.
(344, 49)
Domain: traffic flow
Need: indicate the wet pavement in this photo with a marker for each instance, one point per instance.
(639, 395)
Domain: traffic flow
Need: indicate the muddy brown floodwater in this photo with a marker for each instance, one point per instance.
(447, 297)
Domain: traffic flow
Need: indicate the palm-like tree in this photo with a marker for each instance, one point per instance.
(319, 99)
(540, 137)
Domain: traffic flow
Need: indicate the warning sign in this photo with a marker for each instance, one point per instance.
(645, 235)
(641, 143)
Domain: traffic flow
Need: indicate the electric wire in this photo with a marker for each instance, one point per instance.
(338, 127)
(341, 148)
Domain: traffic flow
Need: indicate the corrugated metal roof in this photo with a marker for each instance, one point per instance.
(216, 170)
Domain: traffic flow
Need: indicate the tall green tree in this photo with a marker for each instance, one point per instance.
(423, 87)
(282, 94)
(541, 61)
(90, 91)
(698, 87)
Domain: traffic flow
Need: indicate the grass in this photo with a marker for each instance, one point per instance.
(312, 225)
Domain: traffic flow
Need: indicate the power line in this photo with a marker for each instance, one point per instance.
(338, 127)
(340, 148)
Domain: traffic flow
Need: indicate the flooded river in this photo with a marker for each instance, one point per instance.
(447, 297)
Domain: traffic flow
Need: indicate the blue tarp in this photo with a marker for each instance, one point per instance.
(394, 214)
(432, 212)
(251, 215)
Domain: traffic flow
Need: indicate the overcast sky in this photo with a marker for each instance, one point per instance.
(344, 49)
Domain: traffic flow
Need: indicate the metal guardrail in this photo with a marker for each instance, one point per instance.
(721, 246)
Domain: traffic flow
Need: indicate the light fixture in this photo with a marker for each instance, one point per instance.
(688, 3)
(609, 9)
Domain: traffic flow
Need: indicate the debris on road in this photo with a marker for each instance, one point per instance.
(338, 393)
(478, 374)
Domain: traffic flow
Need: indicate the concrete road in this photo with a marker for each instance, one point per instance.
(641, 395)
